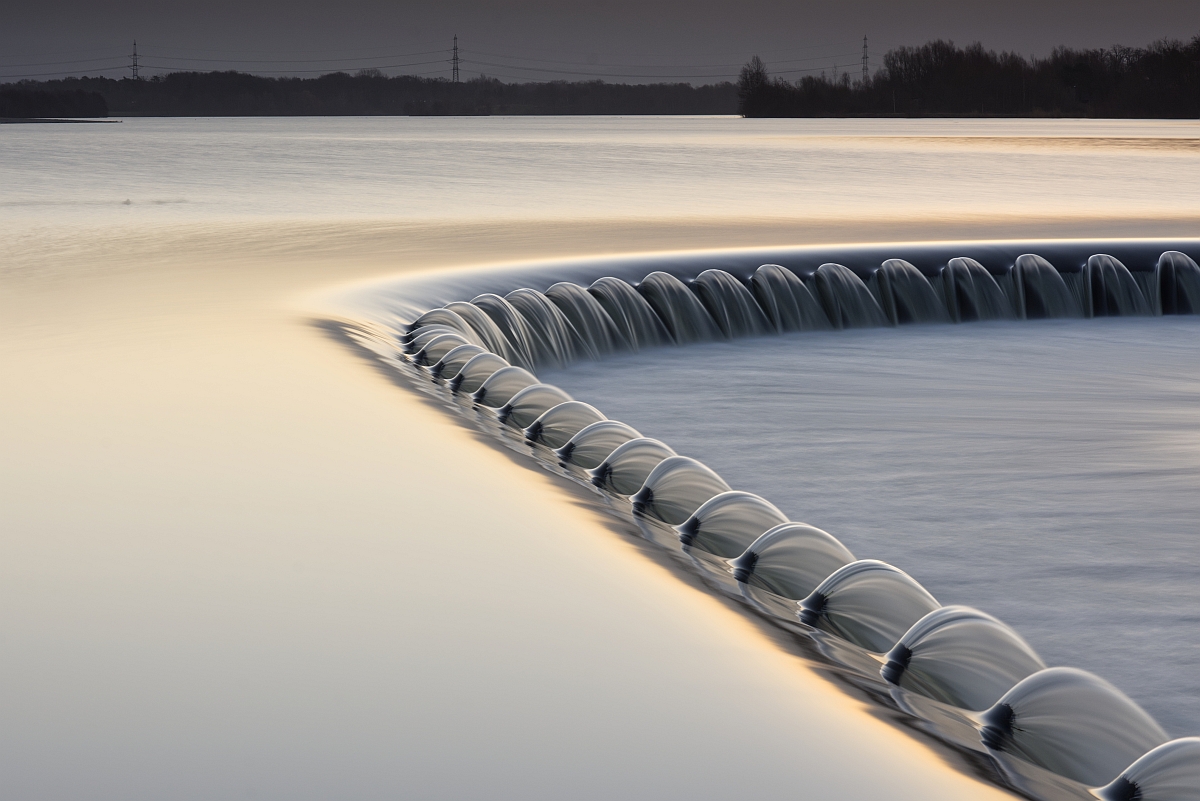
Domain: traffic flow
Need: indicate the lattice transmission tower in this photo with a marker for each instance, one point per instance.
(133, 62)
(454, 59)
(866, 62)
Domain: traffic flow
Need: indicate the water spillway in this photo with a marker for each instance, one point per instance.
(487, 333)
(1039, 291)
(972, 293)
(559, 424)
(555, 339)
(847, 301)
(594, 327)
(727, 524)
(1109, 289)
(471, 376)
(502, 385)
(960, 656)
(1177, 284)
(680, 310)
(730, 304)
(868, 603)
(525, 407)
(636, 323)
(453, 361)
(787, 302)
(625, 470)
(1171, 772)
(907, 296)
(484, 356)
(676, 488)
(593, 444)
(569, 321)
(790, 560)
(1072, 723)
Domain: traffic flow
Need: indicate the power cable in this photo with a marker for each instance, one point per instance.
(58, 63)
(297, 61)
(647, 66)
(67, 72)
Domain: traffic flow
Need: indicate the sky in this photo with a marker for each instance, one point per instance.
(699, 41)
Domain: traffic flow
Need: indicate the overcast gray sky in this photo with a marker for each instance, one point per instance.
(701, 41)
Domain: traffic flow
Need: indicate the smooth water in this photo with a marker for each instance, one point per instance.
(183, 170)
(1043, 471)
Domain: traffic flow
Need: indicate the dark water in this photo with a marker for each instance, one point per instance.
(1044, 471)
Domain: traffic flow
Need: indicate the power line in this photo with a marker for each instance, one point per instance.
(23, 75)
(521, 65)
(59, 63)
(594, 74)
(651, 66)
(297, 60)
(310, 72)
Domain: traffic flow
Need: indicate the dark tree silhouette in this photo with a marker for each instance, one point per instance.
(40, 104)
(940, 79)
(370, 92)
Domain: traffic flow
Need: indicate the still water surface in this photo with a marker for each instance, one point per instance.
(187, 170)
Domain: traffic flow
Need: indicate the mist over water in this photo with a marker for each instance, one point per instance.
(1044, 471)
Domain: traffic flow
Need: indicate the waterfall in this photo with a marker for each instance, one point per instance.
(787, 302)
(906, 296)
(483, 355)
(1038, 291)
(1109, 290)
(676, 305)
(972, 293)
(730, 304)
(847, 300)
(630, 314)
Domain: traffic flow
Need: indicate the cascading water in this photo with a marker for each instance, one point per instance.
(559, 424)
(1038, 291)
(555, 340)
(972, 293)
(1109, 289)
(594, 326)
(906, 296)
(636, 323)
(730, 304)
(727, 524)
(681, 311)
(847, 300)
(787, 302)
(1177, 284)
(957, 659)
(868, 603)
(960, 656)
(591, 445)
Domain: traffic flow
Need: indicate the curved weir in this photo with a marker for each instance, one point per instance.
(970, 679)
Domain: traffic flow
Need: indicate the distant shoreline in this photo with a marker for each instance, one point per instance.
(935, 80)
(51, 120)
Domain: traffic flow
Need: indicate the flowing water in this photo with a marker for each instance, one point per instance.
(1042, 470)
(1045, 472)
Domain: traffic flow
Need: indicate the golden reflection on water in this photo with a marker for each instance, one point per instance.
(228, 544)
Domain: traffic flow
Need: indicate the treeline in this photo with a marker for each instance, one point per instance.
(939, 79)
(24, 103)
(370, 92)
